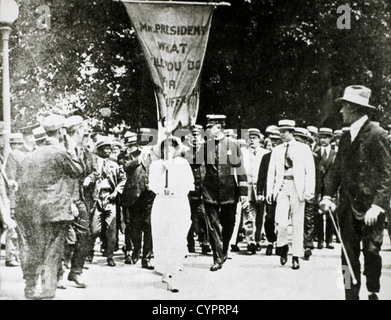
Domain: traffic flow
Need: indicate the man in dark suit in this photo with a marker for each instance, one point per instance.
(43, 211)
(362, 172)
(269, 225)
(325, 155)
(136, 201)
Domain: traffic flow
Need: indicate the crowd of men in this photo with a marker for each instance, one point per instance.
(68, 186)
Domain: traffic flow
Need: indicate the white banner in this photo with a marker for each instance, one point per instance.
(173, 39)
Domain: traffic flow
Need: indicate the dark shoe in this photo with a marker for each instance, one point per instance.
(206, 249)
(128, 259)
(147, 265)
(283, 253)
(329, 246)
(215, 267)
(134, 260)
(269, 250)
(373, 296)
(234, 248)
(252, 248)
(12, 263)
(307, 254)
(320, 245)
(2, 246)
(76, 278)
(295, 263)
(110, 262)
(258, 246)
(191, 249)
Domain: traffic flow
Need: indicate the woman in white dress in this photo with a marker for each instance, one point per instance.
(171, 180)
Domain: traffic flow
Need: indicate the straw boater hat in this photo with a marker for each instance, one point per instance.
(325, 132)
(275, 134)
(271, 129)
(304, 133)
(338, 133)
(214, 119)
(313, 130)
(255, 132)
(28, 130)
(130, 138)
(286, 125)
(39, 134)
(359, 95)
(104, 141)
(16, 138)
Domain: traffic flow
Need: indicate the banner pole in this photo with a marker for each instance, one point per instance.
(214, 4)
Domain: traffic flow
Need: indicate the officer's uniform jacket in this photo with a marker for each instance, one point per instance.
(225, 176)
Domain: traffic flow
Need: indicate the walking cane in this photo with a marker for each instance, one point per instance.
(343, 248)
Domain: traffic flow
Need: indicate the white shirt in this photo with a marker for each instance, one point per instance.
(327, 149)
(356, 127)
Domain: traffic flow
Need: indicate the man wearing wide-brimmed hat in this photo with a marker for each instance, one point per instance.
(44, 209)
(109, 186)
(362, 173)
(326, 156)
(290, 181)
(136, 201)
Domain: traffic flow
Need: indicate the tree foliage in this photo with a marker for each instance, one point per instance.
(266, 60)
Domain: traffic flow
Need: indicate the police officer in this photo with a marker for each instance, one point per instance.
(225, 182)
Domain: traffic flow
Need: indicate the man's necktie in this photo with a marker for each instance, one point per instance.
(288, 160)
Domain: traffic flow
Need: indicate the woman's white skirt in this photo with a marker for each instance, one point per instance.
(170, 223)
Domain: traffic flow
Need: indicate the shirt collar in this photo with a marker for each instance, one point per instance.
(356, 126)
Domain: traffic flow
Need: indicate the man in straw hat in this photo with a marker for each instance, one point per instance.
(325, 156)
(109, 186)
(224, 184)
(290, 181)
(44, 209)
(362, 172)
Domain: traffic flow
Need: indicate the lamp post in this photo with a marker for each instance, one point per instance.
(9, 12)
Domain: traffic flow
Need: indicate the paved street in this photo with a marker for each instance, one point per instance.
(242, 277)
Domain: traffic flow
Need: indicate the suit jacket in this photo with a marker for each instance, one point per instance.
(225, 177)
(322, 168)
(13, 168)
(137, 172)
(362, 171)
(303, 169)
(251, 164)
(113, 179)
(262, 174)
(45, 190)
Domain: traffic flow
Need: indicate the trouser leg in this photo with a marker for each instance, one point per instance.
(330, 230)
(193, 226)
(128, 227)
(319, 227)
(372, 242)
(270, 228)
(282, 216)
(110, 232)
(227, 218)
(259, 218)
(147, 200)
(136, 232)
(203, 233)
(297, 211)
(82, 230)
(309, 228)
(249, 218)
(350, 233)
(215, 231)
(11, 246)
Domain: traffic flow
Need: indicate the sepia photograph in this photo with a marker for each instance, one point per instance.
(195, 155)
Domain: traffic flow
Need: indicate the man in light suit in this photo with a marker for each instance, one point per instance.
(290, 181)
